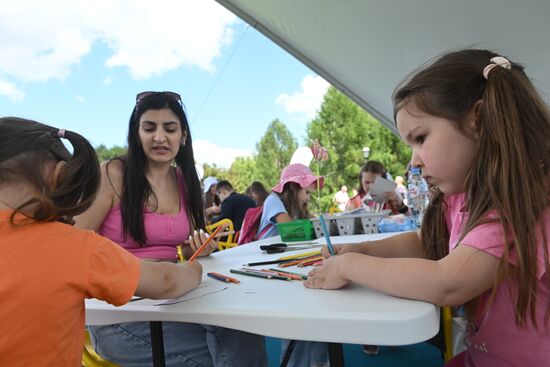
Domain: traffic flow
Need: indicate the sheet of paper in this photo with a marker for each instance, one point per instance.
(380, 187)
(205, 288)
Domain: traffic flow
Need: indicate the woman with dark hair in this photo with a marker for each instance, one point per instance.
(149, 201)
(367, 175)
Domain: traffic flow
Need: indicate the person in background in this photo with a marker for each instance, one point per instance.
(367, 175)
(289, 201)
(211, 200)
(150, 202)
(479, 131)
(234, 205)
(401, 189)
(341, 198)
(50, 267)
(257, 192)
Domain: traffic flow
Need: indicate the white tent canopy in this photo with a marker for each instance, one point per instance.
(366, 47)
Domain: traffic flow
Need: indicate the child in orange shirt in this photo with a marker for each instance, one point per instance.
(48, 266)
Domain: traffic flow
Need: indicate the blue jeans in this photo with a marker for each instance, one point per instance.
(305, 353)
(185, 345)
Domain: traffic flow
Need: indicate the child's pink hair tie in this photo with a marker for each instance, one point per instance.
(496, 61)
(61, 133)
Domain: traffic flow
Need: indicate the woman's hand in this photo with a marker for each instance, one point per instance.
(198, 238)
(328, 275)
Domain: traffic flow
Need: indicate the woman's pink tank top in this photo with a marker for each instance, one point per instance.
(163, 232)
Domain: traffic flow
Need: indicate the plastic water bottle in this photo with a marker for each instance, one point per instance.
(418, 197)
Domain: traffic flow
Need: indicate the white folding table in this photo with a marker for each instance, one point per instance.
(285, 309)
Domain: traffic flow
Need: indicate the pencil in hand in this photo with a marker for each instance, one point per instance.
(203, 246)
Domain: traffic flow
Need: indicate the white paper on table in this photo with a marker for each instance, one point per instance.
(380, 187)
(203, 289)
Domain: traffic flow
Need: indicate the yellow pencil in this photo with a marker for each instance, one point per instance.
(297, 256)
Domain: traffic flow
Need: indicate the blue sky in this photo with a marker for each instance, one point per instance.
(78, 65)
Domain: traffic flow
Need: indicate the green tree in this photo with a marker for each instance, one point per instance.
(242, 173)
(104, 153)
(215, 171)
(344, 128)
(274, 152)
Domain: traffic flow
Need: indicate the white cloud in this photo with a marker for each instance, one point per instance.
(206, 152)
(305, 102)
(10, 90)
(108, 80)
(79, 98)
(41, 40)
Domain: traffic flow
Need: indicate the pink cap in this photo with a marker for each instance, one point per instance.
(298, 173)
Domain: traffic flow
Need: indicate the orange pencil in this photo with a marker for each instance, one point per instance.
(203, 246)
(231, 279)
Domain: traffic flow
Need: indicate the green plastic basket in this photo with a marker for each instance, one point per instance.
(297, 230)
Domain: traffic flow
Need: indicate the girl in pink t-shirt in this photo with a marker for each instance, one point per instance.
(479, 131)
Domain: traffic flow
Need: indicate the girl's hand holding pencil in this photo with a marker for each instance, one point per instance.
(328, 275)
(339, 250)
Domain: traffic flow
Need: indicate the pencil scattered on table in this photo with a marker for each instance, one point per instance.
(269, 274)
(251, 274)
(203, 246)
(222, 278)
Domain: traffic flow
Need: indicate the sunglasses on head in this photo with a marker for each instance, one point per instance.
(171, 95)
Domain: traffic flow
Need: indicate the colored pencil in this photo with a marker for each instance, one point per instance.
(275, 275)
(203, 246)
(231, 279)
(282, 274)
(214, 276)
(298, 256)
(327, 235)
(266, 262)
(252, 274)
(303, 276)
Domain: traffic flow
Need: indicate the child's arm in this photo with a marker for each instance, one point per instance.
(457, 278)
(406, 244)
(161, 280)
(94, 216)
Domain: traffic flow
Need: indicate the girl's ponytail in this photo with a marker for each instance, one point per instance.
(78, 180)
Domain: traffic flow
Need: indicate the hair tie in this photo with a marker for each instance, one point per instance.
(496, 61)
(61, 133)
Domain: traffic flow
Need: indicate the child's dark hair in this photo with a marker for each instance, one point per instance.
(289, 197)
(510, 172)
(136, 187)
(258, 188)
(26, 148)
(224, 185)
(372, 167)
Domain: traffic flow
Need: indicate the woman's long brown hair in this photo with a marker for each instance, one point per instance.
(510, 173)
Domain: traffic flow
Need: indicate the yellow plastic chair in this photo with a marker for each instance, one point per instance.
(447, 324)
(231, 240)
(90, 358)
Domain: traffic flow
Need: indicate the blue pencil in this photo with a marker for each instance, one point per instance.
(327, 236)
